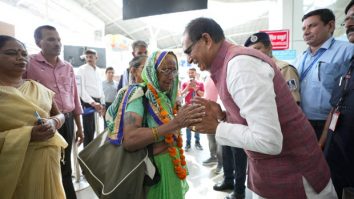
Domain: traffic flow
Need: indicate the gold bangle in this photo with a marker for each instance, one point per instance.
(155, 133)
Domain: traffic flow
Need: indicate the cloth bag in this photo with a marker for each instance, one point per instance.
(112, 171)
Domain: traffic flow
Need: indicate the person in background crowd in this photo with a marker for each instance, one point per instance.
(211, 93)
(321, 65)
(58, 75)
(136, 66)
(339, 128)
(160, 77)
(234, 163)
(261, 41)
(92, 97)
(109, 87)
(261, 117)
(139, 48)
(192, 89)
(30, 146)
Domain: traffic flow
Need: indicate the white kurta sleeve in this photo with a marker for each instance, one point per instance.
(250, 83)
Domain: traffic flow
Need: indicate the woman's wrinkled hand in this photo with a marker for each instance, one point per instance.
(44, 131)
(189, 115)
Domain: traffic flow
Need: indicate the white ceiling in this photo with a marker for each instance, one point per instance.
(239, 18)
(167, 29)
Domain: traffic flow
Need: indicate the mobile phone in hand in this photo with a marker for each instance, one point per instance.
(39, 119)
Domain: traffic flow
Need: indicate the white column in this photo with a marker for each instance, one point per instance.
(287, 14)
(297, 42)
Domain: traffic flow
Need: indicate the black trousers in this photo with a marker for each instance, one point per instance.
(318, 126)
(67, 131)
(234, 162)
(88, 121)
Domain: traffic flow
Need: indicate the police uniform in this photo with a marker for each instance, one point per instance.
(291, 77)
(288, 71)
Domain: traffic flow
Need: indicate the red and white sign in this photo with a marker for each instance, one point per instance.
(279, 38)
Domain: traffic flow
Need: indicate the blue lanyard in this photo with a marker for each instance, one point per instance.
(318, 55)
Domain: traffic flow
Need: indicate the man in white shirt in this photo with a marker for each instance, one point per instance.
(139, 48)
(261, 117)
(92, 96)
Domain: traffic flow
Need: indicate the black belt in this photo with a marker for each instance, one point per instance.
(96, 99)
(67, 115)
(317, 122)
(87, 105)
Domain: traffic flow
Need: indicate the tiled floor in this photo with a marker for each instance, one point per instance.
(200, 180)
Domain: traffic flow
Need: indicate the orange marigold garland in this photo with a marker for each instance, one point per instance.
(179, 162)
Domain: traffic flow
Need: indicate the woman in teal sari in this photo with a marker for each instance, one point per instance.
(160, 76)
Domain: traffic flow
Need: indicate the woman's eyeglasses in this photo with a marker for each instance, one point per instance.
(169, 71)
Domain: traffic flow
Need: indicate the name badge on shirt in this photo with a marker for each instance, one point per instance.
(334, 121)
(340, 81)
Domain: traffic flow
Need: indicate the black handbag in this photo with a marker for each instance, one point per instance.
(348, 193)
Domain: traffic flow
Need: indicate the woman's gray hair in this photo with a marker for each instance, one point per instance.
(135, 62)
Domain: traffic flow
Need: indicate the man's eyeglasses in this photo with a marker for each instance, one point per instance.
(189, 49)
(169, 71)
(347, 19)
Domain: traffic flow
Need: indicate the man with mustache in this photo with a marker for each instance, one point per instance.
(58, 75)
(92, 95)
(321, 65)
(338, 133)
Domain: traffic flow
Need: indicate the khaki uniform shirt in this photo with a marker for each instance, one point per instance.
(291, 77)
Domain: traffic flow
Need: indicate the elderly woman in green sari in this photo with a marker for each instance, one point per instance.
(163, 123)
